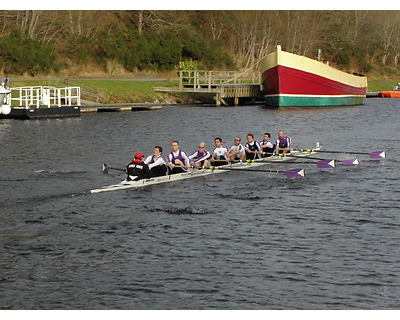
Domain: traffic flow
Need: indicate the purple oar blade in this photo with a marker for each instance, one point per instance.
(378, 155)
(294, 173)
(104, 169)
(326, 163)
(350, 162)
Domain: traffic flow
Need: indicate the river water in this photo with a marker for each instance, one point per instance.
(236, 240)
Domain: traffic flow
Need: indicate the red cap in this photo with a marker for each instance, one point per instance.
(139, 155)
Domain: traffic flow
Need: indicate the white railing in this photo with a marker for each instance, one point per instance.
(40, 96)
(210, 79)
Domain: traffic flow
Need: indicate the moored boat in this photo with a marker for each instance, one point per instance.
(39, 102)
(390, 94)
(291, 80)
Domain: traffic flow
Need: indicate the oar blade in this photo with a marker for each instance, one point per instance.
(350, 162)
(294, 173)
(329, 163)
(104, 169)
(378, 155)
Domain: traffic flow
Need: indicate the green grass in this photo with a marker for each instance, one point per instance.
(381, 85)
(130, 91)
(117, 91)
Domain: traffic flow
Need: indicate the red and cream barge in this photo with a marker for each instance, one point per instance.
(291, 80)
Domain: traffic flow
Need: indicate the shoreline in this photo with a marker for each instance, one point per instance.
(139, 90)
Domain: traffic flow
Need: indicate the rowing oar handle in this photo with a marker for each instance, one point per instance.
(179, 165)
(106, 168)
(118, 169)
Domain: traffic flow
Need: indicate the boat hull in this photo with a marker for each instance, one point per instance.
(291, 80)
(287, 100)
(37, 113)
(390, 94)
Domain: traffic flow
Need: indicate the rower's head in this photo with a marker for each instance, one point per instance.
(157, 151)
(218, 142)
(267, 136)
(250, 137)
(281, 134)
(138, 157)
(202, 146)
(175, 146)
(236, 141)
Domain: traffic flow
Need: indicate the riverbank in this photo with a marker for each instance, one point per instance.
(140, 90)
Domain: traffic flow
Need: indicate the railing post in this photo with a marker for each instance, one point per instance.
(78, 92)
(195, 81)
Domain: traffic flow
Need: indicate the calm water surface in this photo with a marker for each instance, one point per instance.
(237, 240)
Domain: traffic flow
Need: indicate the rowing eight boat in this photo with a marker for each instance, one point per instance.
(245, 166)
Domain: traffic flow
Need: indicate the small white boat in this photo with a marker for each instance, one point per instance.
(192, 173)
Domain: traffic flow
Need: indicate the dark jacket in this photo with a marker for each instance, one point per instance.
(139, 169)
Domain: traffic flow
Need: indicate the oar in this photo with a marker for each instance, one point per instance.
(372, 155)
(342, 162)
(105, 169)
(325, 163)
(293, 173)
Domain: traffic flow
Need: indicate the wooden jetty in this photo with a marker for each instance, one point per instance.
(223, 85)
(118, 107)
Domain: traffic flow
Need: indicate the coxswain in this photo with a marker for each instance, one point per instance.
(156, 163)
(237, 152)
(200, 158)
(177, 160)
(283, 143)
(137, 169)
(220, 154)
(267, 146)
(253, 148)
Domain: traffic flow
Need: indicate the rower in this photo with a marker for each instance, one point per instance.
(267, 146)
(137, 169)
(237, 152)
(283, 143)
(177, 160)
(156, 163)
(200, 157)
(253, 148)
(220, 154)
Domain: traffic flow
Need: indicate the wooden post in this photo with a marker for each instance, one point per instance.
(217, 100)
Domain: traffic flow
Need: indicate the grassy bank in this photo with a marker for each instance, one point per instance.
(381, 85)
(122, 91)
(132, 91)
(116, 91)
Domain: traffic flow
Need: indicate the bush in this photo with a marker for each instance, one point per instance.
(20, 54)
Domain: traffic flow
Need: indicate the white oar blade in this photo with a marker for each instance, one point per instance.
(294, 173)
(326, 163)
(104, 169)
(350, 162)
(378, 155)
